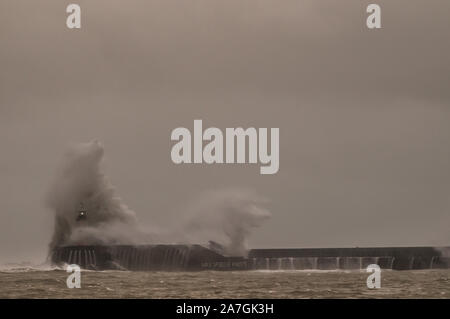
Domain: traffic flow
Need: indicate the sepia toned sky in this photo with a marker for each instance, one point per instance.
(364, 115)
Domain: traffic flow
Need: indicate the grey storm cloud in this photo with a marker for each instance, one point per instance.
(363, 114)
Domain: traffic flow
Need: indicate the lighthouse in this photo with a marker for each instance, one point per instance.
(82, 213)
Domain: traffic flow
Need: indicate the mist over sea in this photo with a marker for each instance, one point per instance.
(22, 281)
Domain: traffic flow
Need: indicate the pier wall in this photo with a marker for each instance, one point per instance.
(197, 257)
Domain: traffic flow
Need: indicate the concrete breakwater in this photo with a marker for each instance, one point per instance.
(197, 257)
(396, 258)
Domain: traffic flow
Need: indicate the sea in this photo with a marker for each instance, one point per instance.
(26, 281)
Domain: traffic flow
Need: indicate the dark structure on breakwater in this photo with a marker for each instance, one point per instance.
(147, 257)
(196, 257)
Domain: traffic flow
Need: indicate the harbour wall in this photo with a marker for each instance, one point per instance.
(197, 257)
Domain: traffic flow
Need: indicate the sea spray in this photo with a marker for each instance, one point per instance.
(226, 217)
(80, 181)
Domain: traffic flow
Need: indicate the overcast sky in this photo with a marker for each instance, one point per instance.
(364, 115)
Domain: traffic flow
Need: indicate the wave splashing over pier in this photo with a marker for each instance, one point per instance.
(80, 190)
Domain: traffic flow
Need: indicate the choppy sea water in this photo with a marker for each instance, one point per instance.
(24, 282)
